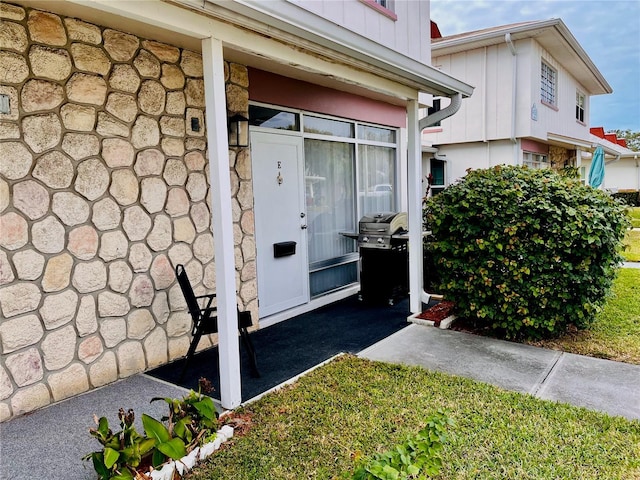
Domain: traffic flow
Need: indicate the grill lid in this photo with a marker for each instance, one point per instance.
(386, 223)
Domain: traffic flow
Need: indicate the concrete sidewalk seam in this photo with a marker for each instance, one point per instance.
(541, 386)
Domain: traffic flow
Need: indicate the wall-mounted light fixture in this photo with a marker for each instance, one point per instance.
(238, 131)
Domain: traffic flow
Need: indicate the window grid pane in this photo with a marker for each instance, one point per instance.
(327, 126)
(580, 101)
(376, 134)
(376, 178)
(548, 84)
(266, 117)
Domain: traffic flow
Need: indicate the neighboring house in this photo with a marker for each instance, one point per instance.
(115, 165)
(531, 105)
(622, 165)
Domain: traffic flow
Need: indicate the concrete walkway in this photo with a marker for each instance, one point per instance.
(604, 385)
(50, 442)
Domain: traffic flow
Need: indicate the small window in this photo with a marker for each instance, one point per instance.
(385, 7)
(433, 109)
(273, 118)
(535, 160)
(580, 104)
(376, 134)
(328, 126)
(548, 79)
(436, 176)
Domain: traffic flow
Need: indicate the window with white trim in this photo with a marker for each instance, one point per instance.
(433, 109)
(350, 169)
(548, 80)
(535, 160)
(580, 105)
(437, 176)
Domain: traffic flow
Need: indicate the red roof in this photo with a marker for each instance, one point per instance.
(435, 31)
(611, 137)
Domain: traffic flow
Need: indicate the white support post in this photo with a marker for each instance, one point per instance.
(218, 145)
(414, 193)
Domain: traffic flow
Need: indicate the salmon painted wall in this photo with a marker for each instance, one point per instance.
(287, 92)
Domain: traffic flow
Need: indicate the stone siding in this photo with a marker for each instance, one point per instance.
(561, 157)
(103, 189)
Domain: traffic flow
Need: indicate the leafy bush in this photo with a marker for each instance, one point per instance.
(631, 198)
(417, 457)
(525, 252)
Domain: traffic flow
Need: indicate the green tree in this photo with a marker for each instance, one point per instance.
(632, 138)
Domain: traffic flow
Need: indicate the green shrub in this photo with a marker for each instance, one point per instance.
(631, 198)
(525, 252)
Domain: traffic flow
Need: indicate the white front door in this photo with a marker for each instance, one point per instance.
(280, 219)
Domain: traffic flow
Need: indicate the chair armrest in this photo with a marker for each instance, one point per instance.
(209, 296)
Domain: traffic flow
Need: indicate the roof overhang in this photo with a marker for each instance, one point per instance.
(276, 36)
(287, 22)
(613, 149)
(570, 143)
(553, 35)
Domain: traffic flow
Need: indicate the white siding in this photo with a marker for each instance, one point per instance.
(487, 115)
(563, 120)
(460, 157)
(621, 175)
(409, 34)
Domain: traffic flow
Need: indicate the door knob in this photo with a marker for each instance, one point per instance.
(302, 214)
(303, 227)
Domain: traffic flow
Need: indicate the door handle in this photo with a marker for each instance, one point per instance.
(303, 227)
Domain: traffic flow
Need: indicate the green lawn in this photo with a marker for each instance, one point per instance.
(616, 333)
(631, 252)
(352, 407)
(634, 214)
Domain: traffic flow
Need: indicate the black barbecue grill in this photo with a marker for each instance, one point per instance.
(384, 259)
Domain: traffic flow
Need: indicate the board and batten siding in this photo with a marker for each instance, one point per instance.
(409, 34)
(563, 120)
(487, 114)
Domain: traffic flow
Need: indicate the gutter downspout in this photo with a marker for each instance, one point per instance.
(514, 86)
(451, 109)
(416, 252)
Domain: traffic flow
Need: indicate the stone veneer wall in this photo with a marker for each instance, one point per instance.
(103, 190)
(558, 156)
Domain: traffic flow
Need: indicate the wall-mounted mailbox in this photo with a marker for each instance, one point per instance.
(284, 249)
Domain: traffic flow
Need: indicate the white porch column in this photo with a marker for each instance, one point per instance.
(414, 193)
(218, 146)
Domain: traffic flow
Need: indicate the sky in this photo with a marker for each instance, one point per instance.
(608, 30)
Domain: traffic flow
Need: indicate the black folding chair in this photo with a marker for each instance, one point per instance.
(205, 321)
